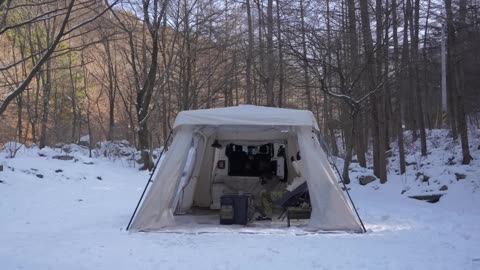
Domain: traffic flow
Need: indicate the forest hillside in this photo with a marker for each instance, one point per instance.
(123, 69)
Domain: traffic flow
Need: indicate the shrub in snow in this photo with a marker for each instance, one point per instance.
(84, 141)
(11, 148)
(114, 149)
(85, 138)
(436, 141)
(67, 148)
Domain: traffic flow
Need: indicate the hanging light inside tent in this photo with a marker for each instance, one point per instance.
(216, 144)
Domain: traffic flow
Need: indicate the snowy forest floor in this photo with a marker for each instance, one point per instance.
(72, 214)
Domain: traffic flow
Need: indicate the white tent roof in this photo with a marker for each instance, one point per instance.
(246, 115)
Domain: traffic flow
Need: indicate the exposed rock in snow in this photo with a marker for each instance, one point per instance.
(63, 157)
(366, 179)
(460, 176)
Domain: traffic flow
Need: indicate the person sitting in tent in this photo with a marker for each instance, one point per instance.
(250, 163)
(273, 189)
(263, 163)
(237, 159)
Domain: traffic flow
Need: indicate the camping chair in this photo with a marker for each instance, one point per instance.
(291, 202)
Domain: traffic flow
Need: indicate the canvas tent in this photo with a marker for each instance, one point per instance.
(184, 177)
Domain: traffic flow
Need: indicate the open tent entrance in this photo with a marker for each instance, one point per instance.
(220, 151)
(230, 158)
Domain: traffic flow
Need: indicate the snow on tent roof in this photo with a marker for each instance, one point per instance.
(247, 115)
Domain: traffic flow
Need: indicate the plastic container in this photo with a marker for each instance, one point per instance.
(234, 209)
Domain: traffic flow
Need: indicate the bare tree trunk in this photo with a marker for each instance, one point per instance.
(19, 98)
(386, 79)
(281, 74)
(429, 106)
(306, 77)
(261, 52)
(73, 99)
(36, 115)
(462, 118)
(379, 159)
(352, 34)
(87, 109)
(455, 76)
(249, 89)
(270, 72)
(327, 106)
(415, 74)
(353, 62)
(349, 140)
(405, 65)
(19, 118)
(398, 127)
(401, 145)
(144, 95)
(360, 141)
(47, 87)
(381, 116)
(112, 88)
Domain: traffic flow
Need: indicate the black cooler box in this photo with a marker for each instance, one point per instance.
(234, 209)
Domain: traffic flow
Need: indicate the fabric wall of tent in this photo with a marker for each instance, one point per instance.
(184, 178)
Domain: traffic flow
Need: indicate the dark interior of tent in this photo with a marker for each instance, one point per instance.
(251, 160)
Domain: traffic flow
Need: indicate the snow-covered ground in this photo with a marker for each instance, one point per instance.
(72, 214)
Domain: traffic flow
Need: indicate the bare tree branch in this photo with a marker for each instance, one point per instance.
(36, 68)
(91, 19)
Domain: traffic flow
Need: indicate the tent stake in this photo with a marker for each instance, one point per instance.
(149, 179)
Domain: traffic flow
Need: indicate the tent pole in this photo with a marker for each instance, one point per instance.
(343, 183)
(350, 198)
(149, 179)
